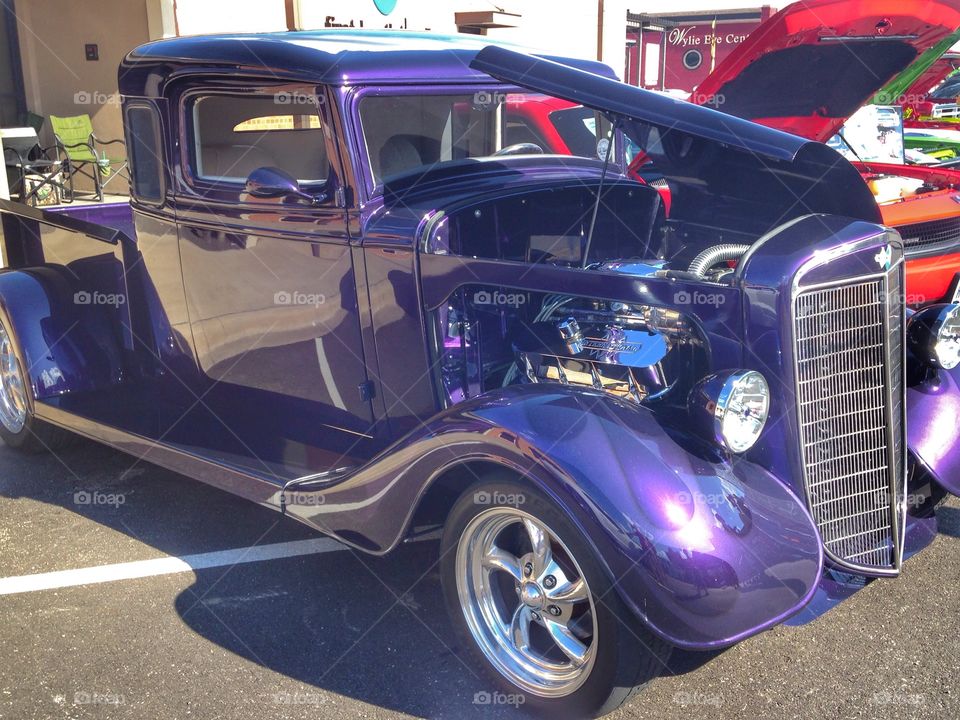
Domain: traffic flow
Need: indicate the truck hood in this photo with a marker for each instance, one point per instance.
(813, 64)
(706, 156)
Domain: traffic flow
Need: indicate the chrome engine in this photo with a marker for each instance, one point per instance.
(626, 363)
(493, 338)
(620, 349)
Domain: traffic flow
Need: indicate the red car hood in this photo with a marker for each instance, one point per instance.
(813, 64)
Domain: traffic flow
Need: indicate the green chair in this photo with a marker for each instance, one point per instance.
(77, 149)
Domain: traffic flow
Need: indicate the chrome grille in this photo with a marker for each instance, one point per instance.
(849, 362)
(923, 236)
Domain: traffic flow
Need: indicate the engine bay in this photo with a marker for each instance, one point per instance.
(494, 337)
(489, 337)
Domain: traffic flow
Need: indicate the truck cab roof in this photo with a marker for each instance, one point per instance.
(334, 57)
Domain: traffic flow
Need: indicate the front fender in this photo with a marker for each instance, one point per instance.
(704, 551)
(66, 346)
(933, 407)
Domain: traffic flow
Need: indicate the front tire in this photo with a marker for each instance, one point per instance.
(532, 606)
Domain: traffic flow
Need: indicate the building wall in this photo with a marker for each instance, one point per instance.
(9, 90)
(196, 17)
(675, 6)
(567, 26)
(570, 28)
(58, 79)
(678, 50)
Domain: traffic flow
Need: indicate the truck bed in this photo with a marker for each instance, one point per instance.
(116, 216)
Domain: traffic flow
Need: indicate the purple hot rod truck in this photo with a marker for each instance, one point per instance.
(349, 287)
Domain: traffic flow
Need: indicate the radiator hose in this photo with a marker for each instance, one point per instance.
(716, 254)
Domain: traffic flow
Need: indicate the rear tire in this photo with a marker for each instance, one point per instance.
(19, 427)
(532, 607)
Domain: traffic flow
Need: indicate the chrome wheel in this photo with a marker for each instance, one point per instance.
(526, 602)
(13, 396)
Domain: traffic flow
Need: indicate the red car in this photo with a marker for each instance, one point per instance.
(808, 68)
(564, 128)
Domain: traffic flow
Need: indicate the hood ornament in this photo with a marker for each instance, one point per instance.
(884, 258)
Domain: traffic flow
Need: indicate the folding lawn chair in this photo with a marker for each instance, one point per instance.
(32, 175)
(77, 150)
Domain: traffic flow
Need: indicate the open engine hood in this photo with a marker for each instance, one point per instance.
(816, 62)
(914, 84)
(710, 159)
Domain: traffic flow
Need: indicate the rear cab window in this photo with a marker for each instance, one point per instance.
(145, 148)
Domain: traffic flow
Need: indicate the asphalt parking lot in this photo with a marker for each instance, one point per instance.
(326, 632)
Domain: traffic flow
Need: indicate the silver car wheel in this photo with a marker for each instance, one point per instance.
(526, 602)
(13, 396)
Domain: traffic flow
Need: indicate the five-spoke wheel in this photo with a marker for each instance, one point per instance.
(532, 606)
(526, 601)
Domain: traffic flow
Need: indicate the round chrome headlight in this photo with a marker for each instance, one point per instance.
(735, 406)
(934, 335)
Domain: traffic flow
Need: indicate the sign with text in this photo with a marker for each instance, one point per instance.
(685, 49)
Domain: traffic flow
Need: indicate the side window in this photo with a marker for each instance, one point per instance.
(146, 153)
(234, 135)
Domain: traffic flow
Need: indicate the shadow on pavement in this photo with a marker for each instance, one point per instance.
(948, 521)
(371, 629)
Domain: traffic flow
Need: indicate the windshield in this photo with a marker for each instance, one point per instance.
(405, 133)
(949, 90)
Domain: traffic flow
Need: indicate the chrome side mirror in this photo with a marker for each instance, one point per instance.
(272, 182)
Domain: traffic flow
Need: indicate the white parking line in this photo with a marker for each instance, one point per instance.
(165, 566)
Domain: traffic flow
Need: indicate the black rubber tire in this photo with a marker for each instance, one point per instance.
(35, 436)
(628, 657)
